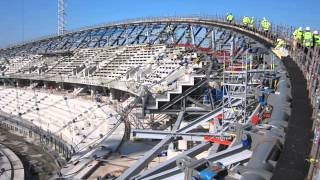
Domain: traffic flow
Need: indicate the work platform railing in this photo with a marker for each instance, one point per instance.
(308, 60)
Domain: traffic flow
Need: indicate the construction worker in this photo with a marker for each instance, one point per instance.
(307, 38)
(197, 61)
(252, 22)
(245, 21)
(312, 161)
(297, 37)
(316, 38)
(230, 17)
(298, 34)
(266, 25)
(280, 44)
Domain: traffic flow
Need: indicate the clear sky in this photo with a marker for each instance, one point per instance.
(28, 19)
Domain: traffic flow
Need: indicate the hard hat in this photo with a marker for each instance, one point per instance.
(278, 40)
(307, 28)
(315, 32)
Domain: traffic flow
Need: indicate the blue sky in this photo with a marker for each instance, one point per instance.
(22, 20)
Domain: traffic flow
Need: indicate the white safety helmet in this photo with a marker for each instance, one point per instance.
(300, 28)
(315, 32)
(307, 28)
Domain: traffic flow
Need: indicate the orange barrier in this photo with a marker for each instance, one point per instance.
(217, 140)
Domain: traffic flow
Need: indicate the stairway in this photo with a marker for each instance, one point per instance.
(181, 86)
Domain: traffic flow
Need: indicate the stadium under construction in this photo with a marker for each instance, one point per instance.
(161, 98)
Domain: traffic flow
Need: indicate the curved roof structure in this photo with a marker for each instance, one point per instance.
(152, 31)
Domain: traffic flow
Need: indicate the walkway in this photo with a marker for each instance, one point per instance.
(292, 164)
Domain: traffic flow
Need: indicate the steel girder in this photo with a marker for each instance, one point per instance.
(202, 35)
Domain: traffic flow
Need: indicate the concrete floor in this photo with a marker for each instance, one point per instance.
(30, 154)
(128, 154)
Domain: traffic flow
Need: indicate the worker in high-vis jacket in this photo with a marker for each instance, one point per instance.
(298, 34)
(230, 17)
(307, 38)
(251, 23)
(312, 160)
(245, 21)
(280, 44)
(297, 38)
(316, 38)
(266, 25)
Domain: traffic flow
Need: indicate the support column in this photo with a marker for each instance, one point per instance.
(51, 142)
(63, 150)
(45, 85)
(213, 39)
(232, 47)
(113, 94)
(59, 150)
(92, 92)
(192, 35)
(60, 87)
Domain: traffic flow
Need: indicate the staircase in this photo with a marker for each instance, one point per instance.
(180, 86)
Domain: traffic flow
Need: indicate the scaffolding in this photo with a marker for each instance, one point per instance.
(235, 86)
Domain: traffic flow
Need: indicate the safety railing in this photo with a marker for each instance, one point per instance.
(308, 60)
(44, 135)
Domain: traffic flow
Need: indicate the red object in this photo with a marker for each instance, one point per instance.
(255, 119)
(214, 53)
(217, 140)
(205, 49)
(266, 115)
(184, 45)
(222, 56)
(220, 116)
